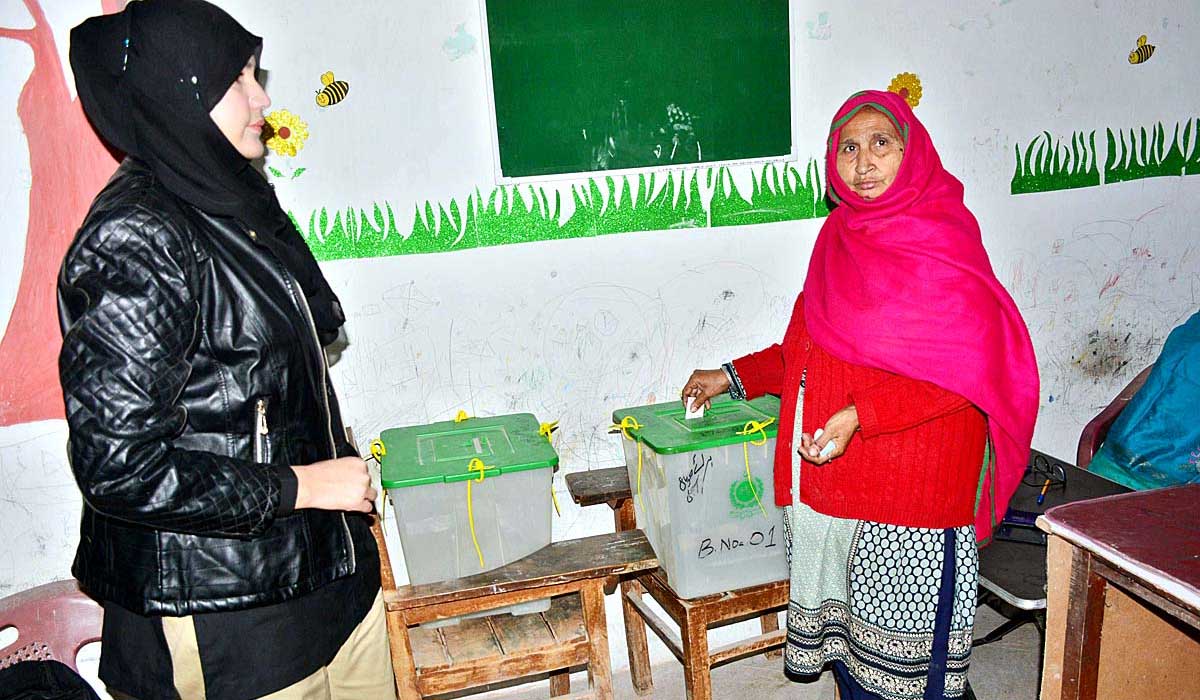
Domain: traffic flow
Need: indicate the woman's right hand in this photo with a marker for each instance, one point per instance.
(703, 385)
(335, 484)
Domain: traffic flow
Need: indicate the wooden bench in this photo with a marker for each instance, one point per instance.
(499, 648)
(694, 617)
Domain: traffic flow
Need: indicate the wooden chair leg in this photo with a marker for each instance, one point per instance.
(770, 623)
(625, 518)
(635, 640)
(560, 683)
(403, 665)
(696, 676)
(599, 664)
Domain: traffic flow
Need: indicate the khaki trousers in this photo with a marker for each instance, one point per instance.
(361, 670)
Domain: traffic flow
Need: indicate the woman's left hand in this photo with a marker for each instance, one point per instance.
(838, 430)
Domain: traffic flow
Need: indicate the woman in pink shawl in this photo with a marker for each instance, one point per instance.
(909, 390)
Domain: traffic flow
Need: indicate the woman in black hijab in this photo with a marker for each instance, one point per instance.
(224, 525)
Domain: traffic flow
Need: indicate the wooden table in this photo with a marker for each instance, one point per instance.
(1123, 619)
(693, 616)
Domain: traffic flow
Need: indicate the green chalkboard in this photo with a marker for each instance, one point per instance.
(587, 85)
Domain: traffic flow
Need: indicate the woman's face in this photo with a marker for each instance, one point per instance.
(239, 114)
(869, 153)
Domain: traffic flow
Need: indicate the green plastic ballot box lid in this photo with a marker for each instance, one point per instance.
(666, 431)
(442, 452)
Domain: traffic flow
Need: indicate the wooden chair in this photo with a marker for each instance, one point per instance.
(1097, 429)
(499, 648)
(53, 622)
(694, 617)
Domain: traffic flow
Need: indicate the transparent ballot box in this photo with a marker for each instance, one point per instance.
(469, 495)
(703, 491)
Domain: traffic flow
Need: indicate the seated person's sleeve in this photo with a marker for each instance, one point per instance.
(1155, 441)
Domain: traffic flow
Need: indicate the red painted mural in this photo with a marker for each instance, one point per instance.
(69, 165)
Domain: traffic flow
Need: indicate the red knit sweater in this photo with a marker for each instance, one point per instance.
(916, 459)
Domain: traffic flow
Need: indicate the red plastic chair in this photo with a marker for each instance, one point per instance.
(1096, 430)
(53, 621)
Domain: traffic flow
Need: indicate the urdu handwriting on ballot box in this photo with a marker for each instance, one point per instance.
(704, 492)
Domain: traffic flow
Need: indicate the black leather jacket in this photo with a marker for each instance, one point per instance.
(193, 378)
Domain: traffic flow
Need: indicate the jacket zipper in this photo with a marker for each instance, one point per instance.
(312, 326)
(293, 286)
(262, 448)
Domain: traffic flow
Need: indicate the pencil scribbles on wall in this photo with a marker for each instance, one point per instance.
(598, 346)
(1133, 154)
(597, 207)
(39, 508)
(1086, 301)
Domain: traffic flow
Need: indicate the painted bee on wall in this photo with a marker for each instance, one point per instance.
(1143, 52)
(333, 92)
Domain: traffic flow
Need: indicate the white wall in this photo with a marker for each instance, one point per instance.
(571, 330)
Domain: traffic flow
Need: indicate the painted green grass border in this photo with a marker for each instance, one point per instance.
(1146, 154)
(772, 199)
(526, 213)
(1135, 154)
(1052, 165)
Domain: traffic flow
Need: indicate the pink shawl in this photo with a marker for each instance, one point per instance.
(902, 283)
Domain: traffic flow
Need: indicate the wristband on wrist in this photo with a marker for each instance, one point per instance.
(736, 391)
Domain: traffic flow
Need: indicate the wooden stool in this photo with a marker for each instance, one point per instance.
(497, 648)
(694, 617)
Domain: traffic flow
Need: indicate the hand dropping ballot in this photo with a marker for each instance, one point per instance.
(692, 411)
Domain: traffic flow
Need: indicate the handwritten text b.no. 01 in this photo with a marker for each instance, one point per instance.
(728, 544)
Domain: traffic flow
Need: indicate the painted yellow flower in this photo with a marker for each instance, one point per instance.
(288, 132)
(908, 86)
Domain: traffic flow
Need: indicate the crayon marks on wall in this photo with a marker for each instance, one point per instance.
(1088, 305)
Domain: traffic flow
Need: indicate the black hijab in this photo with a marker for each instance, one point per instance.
(148, 77)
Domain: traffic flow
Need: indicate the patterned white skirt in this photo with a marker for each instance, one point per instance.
(871, 596)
